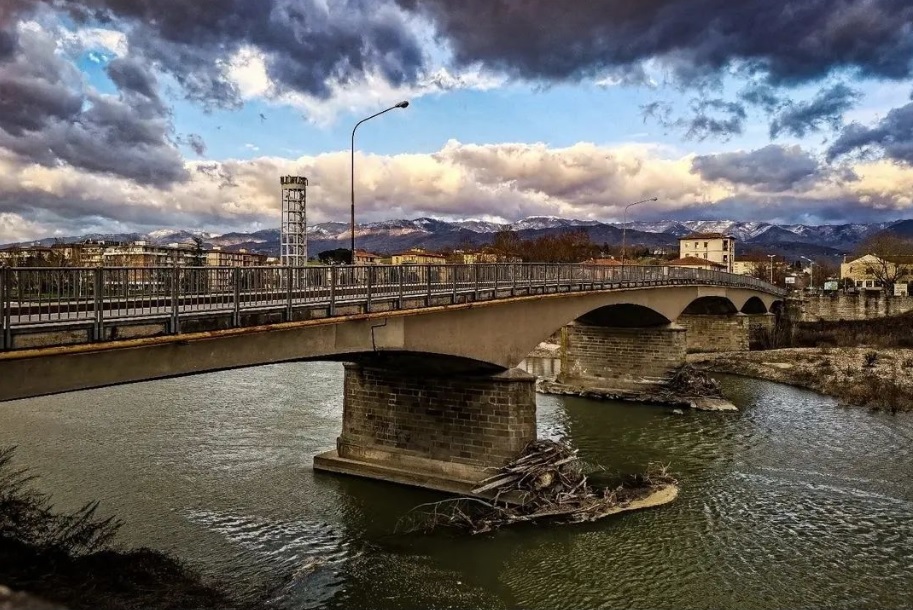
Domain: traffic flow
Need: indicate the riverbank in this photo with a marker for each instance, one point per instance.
(66, 558)
(857, 376)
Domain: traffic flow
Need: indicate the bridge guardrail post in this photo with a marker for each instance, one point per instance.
(497, 274)
(333, 274)
(453, 273)
(475, 281)
(513, 280)
(369, 282)
(428, 278)
(400, 272)
(236, 292)
(290, 287)
(175, 297)
(5, 307)
(98, 319)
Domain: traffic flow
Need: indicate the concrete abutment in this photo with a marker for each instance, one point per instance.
(434, 431)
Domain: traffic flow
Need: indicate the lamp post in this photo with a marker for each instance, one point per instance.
(811, 272)
(624, 228)
(771, 267)
(403, 104)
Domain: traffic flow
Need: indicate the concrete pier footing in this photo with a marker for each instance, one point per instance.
(437, 432)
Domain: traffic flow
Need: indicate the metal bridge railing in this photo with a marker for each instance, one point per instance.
(94, 296)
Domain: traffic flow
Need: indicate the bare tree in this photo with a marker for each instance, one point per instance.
(893, 259)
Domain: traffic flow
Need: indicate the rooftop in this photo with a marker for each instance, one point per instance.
(706, 236)
(691, 261)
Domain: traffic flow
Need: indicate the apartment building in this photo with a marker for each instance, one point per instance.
(717, 248)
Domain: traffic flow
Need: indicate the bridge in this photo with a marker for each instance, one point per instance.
(432, 395)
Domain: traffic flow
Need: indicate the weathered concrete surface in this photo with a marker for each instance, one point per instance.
(497, 333)
(439, 432)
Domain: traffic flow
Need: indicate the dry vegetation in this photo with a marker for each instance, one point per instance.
(862, 376)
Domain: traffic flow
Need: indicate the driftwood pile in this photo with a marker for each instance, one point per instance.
(689, 381)
(547, 481)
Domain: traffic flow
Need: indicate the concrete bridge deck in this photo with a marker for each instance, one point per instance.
(432, 397)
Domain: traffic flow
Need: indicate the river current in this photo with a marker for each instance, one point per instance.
(793, 502)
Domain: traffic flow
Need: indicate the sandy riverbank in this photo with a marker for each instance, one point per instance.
(861, 376)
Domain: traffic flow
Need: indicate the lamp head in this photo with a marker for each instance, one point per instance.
(402, 104)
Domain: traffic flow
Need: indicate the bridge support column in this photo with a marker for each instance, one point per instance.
(439, 432)
(618, 357)
(716, 333)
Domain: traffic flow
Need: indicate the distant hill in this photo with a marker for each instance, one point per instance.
(392, 236)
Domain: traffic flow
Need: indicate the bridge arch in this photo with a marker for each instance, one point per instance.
(754, 306)
(624, 315)
(710, 306)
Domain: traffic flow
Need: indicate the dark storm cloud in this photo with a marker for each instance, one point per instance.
(307, 43)
(790, 42)
(761, 95)
(772, 168)
(130, 75)
(196, 143)
(49, 116)
(893, 136)
(825, 109)
(707, 118)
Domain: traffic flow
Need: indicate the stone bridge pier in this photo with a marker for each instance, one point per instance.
(438, 428)
(713, 324)
(621, 346)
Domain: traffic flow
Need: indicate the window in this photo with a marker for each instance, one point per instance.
(705, 255)
(725, 245)
(725, 258)
(705, 244)
(695, 244)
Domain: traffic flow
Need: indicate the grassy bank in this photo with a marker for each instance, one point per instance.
(68, 558)
(879, 379)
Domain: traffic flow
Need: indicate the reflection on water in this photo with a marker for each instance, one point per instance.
(793, 502)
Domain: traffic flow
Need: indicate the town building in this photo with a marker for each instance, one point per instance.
(717, 248)
(417, 256)
(474, 258)
(866, 272)
(603, 262)
(363, 257)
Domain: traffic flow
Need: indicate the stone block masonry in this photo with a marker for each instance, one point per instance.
(433, 427)
(837, 306)
(621, 355)
(716, 333)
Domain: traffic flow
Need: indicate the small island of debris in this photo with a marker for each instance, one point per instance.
(546, 482)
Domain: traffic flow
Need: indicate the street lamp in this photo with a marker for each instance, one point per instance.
(811, 272)
(771, 267)
(624, 228)
(403, 104)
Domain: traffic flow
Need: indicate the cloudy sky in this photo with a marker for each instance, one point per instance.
(133, 115)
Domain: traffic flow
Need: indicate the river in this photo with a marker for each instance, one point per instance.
(793, 502)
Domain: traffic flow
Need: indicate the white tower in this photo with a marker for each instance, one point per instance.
(294, 240)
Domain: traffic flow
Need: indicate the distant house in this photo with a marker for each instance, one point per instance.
(864, 272)
(693, 262)
(417, 256)
(715, 247)
(363, 257)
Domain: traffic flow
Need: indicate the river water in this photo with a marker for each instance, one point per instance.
(793, 502)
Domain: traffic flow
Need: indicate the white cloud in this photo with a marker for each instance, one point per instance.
(248, 70)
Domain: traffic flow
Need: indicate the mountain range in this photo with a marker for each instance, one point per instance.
(431, 234)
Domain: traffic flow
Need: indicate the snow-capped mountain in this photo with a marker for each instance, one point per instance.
(430, 233)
